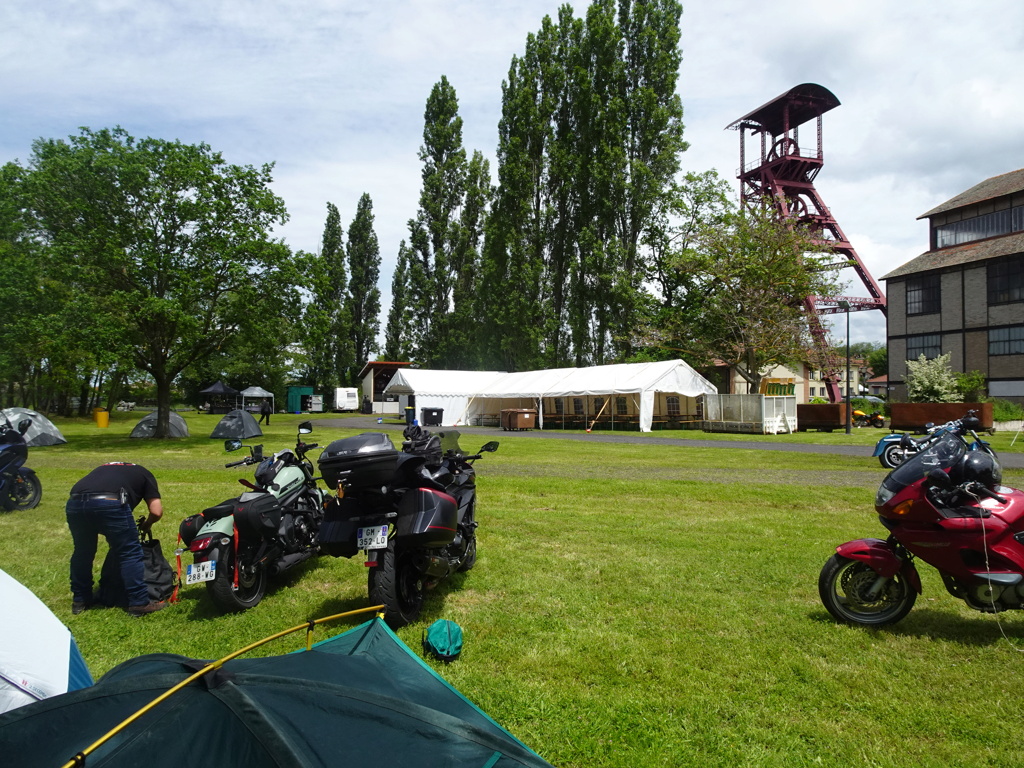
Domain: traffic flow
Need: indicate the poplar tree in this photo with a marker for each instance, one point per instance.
(363, 299)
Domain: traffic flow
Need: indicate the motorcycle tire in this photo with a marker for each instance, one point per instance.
(892, 456)
(397, 584)
(251, 588)
(843, 586)
(878, 423)
(27, 491)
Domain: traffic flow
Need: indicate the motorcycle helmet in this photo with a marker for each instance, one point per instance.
(970, 423)
(979, 467)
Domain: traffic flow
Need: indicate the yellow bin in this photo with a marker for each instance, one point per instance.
(96, 411)
(102, 419)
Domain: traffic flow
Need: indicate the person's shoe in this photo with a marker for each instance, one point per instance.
(78, 606)
(150, 607)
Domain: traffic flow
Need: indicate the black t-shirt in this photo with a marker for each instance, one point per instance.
(137, 481)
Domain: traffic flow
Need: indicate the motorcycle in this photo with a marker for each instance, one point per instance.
(412, 513)
(874, 419)
(19, 487)
(946, 506)
(893, 449)
(237, 544)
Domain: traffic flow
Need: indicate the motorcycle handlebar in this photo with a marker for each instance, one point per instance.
(237, 463)
(983, 491)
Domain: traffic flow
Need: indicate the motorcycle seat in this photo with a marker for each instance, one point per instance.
(224, 509)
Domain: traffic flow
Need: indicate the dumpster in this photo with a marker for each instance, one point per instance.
(518, 418)
(410, 414)
(431, 417)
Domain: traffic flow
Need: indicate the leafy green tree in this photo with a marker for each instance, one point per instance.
(363, 295)
(931, 381)
(878, 361)
(172, 241)
(397, 334)
(971, 385)
(744, 287)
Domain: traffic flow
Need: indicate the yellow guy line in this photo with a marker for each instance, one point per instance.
(79, 759)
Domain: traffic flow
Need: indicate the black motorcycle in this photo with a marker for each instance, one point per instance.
(238, 543)
(412, 512)
(19, 486)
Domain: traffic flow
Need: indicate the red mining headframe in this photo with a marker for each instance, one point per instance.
(786, 173)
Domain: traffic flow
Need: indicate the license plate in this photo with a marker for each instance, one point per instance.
(198, 572)
(374, 537)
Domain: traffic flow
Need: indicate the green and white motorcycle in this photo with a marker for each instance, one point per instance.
(238, 544)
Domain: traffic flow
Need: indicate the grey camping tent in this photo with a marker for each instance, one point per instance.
(42, 431)
(146, 427)
(237, 424)
(361, 698)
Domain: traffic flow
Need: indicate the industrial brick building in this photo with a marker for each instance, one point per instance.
(965, 294)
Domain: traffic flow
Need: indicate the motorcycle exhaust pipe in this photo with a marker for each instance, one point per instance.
(287, 561)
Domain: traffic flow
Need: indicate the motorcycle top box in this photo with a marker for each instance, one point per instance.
(365, 461)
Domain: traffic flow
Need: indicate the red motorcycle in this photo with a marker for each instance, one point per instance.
(945, 505)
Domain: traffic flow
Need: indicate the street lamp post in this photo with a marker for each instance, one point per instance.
(849, 410)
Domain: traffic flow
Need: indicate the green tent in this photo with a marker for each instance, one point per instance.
(361, 698)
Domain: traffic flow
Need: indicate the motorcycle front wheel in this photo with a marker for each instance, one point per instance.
(396, 584)
(252, 586)
(26, 492)
(845, 588)
(892, 456)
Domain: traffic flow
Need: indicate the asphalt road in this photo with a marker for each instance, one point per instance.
(369, 423)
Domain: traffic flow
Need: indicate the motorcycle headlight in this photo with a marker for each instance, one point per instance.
(883, 495)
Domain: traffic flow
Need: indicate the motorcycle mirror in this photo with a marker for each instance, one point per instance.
(232, 445)
(305, 427)
(257, 452)
(490, 447)
(938, 479)
(23, 425)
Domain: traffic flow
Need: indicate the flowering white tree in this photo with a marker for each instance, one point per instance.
(931, 381)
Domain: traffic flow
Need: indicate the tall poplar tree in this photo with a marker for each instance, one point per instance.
(398, 333)
(363, 299)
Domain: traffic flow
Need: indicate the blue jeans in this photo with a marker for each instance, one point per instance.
(89, 519)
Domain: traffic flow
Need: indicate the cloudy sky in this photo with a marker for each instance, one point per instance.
(333, 94)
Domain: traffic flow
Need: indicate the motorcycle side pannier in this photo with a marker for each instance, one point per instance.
(426, 518)
(258, 514)
(368, 459)
(337, 535)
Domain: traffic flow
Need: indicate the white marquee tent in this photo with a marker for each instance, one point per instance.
(466, 395)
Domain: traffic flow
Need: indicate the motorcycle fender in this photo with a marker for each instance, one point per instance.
(224, 526)
(882, 444)
(26, 472)
(879, 556)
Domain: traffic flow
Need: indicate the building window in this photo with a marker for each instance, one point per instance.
(577, 406)
(621, 407)
(979, 227)
(672, 404)
(559, 406)
(923, 295)
(1006, 341)
(1006, 280)
(929, 345)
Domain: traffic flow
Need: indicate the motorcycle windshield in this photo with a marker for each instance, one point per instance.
(942, 454)
(450, 442)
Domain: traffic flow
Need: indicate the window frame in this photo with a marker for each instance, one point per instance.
(1005, 280)
(924, 294)
(924, 341)
(1013, 344)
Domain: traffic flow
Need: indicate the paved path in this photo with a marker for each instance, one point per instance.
(369, 423)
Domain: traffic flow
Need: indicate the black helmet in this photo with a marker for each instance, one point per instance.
(970, 423)
(979, 467)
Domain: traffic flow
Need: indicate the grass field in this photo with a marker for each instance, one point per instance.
(632, 604)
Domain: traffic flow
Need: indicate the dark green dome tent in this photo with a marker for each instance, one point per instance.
(176, 426)
(361, 698)
(237, 424)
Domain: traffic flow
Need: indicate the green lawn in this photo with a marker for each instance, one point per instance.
(631, 605)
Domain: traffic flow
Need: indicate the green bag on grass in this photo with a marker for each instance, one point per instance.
(443, 640)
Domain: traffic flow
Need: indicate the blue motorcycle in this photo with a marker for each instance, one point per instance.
(19, 486)
(893, 449)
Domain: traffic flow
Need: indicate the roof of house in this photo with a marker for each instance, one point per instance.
(977, 250)
(997, 186)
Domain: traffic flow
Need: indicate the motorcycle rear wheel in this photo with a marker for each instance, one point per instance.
(251, 587)
(892, 456)
(26, 492)
(396, 584)
(878, 422)
(843, 586)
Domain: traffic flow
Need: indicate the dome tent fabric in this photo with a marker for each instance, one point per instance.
(176, 426)
(38, 655)
(42, 432)
(237, 424)
(361, 698)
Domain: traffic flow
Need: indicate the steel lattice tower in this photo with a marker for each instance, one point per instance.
(785, 172)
